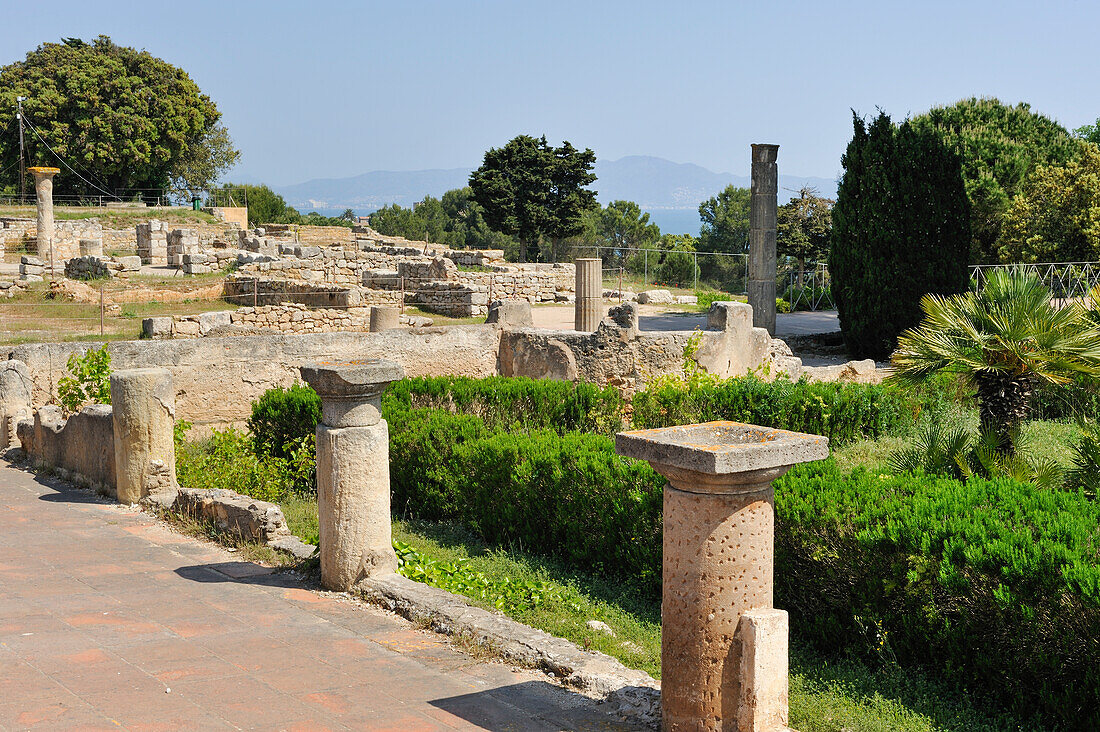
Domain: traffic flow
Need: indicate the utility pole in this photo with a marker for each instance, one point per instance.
(22, 157)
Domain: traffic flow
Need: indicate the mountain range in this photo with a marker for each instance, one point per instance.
(670, 192)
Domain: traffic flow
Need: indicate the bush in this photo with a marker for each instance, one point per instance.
(230, 460)
(782, 306)
(901, 230)
(843, 412)
(995, 583)
(284, 419)
(508, 403)
(90, 382)
(705, 298)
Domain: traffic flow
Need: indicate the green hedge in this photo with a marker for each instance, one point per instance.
(843, 412)
(566, 495)
(993, 582)
(509, 403)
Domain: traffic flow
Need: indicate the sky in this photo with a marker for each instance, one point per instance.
(332, 89)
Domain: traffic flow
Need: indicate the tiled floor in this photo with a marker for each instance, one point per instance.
(110, 620)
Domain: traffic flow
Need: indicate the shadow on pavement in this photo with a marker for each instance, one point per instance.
(521, 706)
(247, 573)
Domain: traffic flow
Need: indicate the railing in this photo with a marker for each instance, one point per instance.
(1065, 280)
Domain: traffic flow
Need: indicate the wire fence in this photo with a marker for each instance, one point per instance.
(124, 198)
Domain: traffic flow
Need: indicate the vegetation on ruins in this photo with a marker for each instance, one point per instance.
(1003, 340)
(901, 227)
(123, 118)
(88, 382)
(532, 190)
(999, 146)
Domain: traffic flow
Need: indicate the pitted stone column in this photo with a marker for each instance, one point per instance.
(719, 516)
(588, 300)
(762, 218)
(43, 187)
(143, 407)
(383, 318)
(353, 470)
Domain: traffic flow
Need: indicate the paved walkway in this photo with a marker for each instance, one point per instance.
(109, 620)
(658, 318)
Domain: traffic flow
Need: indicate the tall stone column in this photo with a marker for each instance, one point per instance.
(719, 516)
(353, 470)
(588, 302)
(43, 187)
(143, 407)
(762, 217)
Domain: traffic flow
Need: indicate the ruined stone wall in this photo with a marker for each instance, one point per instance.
(83, 445)
(310, 235)
(251, 290)
(287, 318)
(216, 379)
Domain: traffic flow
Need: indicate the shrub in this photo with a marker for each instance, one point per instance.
(90, 382)
(229, 460)
(843, 412)
(901, 230)
(705, 298)
(993, 582)
(506, 403)
(284, 419)
(782, 306)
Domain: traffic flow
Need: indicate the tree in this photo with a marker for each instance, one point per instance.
(1089, 133)
(454, 220)
(901, 228)
(621, 227)
(803, 228)
(265, 206)
(1004, 341)
(1056, 218)
(531, 190)
(725, 230)
(122, 118)
(999, 146)
(677, 262)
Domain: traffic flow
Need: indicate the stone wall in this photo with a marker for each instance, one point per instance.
(216, 379)
(94, 268)
(286, 318)
(251, 290)
(82, 447)
(233, 215)
(310, 235)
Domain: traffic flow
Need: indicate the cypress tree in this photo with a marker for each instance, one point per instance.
(901, 230)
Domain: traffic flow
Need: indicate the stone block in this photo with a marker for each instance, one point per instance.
(655, 297)
(130, 264)
(212, 320)
(763, 704)
(158, 327)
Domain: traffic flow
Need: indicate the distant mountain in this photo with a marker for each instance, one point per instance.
(670, 191)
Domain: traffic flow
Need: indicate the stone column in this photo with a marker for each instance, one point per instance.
(43, 187)
(718, 563)
(383, 318)
(143, 406)
(353, 470)
(588, 301)
(762, 217)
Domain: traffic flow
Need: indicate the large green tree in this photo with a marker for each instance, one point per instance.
(265, 206)
(999, 146)
(122, 118)
(803, 228)
(1056, 218)
(725, 230)
(901, 227)
(455, 220)
(530, 190)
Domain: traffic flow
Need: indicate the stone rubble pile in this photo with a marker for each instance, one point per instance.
(92, 267)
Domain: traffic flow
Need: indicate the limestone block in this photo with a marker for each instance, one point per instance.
(383, 318)
(157, 327)
(34, 261)
(91, 247)
(186, 328)
(764, 683)
(130, 263)
(212, 320)
(144, 415)
(655, 297)
(686, 300)
(516, 313)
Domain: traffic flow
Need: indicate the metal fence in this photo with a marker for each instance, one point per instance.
(138, 197)
(1065, 280)
(636, 269)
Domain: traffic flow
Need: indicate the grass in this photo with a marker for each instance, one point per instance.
(115, 218)
(31, 317)
(825, 696)
(438, 319)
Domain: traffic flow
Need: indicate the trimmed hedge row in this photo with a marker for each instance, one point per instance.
(993, 582)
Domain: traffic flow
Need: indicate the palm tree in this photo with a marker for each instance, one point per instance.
(1003, 340)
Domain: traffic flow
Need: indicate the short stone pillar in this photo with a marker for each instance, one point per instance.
(588, 303)
(763, 209)
(91, 247)
(383, 317)
(43, 187)
(353, 470)
(719, 515)
(143, 406)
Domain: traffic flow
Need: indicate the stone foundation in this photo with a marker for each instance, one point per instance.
(81, 448)
(285, 318)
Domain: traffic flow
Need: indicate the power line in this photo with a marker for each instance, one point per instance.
(65, 163)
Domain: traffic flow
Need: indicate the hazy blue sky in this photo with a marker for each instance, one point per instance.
(331, 89)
